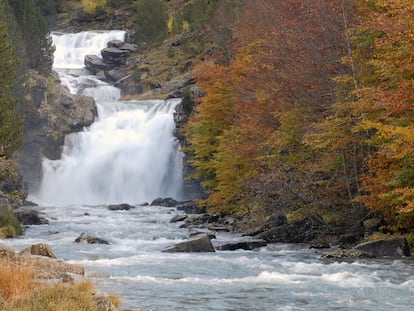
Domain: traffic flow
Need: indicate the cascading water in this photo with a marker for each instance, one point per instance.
(128, 155)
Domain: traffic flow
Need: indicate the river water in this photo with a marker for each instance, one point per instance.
(130, 155)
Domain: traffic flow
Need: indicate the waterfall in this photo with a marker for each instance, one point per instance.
(129, 154)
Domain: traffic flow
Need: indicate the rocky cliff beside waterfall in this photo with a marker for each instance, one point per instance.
(51, 113)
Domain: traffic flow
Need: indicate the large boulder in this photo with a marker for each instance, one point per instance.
(115, 56)
(95, 63)
(198, 244)
(391, 247)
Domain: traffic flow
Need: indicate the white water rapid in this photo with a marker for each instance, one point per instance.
(128, 155)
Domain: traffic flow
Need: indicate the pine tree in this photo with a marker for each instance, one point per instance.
(35, 33)
(10, 123)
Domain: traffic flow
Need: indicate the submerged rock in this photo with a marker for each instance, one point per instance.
(90, 239)
(198, 244)
(120, 207)
(246, 245)
(166, 202)
(347, 254)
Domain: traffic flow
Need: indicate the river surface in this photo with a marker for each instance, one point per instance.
(130, 155)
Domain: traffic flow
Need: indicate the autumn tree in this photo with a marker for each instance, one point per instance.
(387, 107)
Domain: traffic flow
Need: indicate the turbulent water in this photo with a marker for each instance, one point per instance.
(129, 154)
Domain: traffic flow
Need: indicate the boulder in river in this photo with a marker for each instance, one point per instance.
(95, 63)
(246, 245)
(391, 247)
(120, 207)
(166, 202)
(115, 55)
(198, 244)
(90, 239)
(190, 207)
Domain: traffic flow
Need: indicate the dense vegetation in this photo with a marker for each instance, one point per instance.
(313, 112)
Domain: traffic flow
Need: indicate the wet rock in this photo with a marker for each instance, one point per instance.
(198, 244)
(120, 207)
(194, 232)
(39, 250)
(95, 63)
(114, 75)
(245, 245)
(167, 202)
(391, 247)
(178, 218)
(190, 207)
(30, 217)
(115, 56)
(90, 239)
(195, 220)
(347, 254)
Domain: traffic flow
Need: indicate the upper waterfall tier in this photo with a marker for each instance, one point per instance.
(72, 48)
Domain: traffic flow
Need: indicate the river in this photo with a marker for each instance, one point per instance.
(130, 155)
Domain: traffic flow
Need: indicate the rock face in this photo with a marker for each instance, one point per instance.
(52, 113)
(199, 244)
(392, 247)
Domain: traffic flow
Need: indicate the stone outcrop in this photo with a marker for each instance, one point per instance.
(39, 250)
(198, 244)
(42, 262)
(52, 113)
(391, 247)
